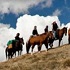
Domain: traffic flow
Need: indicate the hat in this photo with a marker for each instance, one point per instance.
(46, 26)
(54, 22)
(18, 33)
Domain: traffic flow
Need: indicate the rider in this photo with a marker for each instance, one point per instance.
(55, 27)
(17, 36)
(46, 29)
(35, 32)
(17, 39)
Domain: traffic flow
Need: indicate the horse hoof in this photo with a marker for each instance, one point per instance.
(39, 52)
(31, 53)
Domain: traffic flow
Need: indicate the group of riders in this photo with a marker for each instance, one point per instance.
(35, 31)
(54, 29)
(55, 36)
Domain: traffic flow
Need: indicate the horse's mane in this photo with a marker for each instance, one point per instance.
(21, 38)
(62, 28)
(45, 33)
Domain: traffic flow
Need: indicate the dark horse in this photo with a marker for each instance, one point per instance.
(15, 46)
(60, 33)
(39, 40)
(69, 36)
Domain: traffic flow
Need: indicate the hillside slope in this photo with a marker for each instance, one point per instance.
(54, 59)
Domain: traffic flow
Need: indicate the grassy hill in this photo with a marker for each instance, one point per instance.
(54, 59)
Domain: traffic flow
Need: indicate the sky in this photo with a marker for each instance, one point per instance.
(22, 15)
(9, 12)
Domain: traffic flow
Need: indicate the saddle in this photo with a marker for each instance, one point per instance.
(33, 36)
(11, 43)
(9, 46)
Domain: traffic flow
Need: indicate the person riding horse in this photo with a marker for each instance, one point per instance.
(16, 41)
(14, 46)
(17, 36)
(46, 29)
(35, 32)
(54, 29)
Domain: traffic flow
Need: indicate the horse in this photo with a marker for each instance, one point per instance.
(39, 40)
(15, 46)
(18, 46)
(60, 33)
(9, 52)
(69, 36)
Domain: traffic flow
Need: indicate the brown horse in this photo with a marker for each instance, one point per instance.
(12, 48)
(60, 33)
(69, 36)
(39, 40)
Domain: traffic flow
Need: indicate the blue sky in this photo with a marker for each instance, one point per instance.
(60, 8)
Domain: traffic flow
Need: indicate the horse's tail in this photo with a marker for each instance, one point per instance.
(27, 46)
(6, 51)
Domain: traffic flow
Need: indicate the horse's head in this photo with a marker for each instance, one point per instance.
(21, 41)
(65, 30)
(50, 35)
(50, 38)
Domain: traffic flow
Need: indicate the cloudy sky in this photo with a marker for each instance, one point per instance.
(22, 15)
(10, 10)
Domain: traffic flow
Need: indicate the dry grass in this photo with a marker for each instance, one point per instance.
(66, 63)
(54, 59)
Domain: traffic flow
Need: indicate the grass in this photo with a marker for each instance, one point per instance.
(66, 63)
(54, 59)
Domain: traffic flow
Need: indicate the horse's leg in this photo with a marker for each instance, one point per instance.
(12, 52)
(20, 49)
(27, 47)
(46, 45)
(39, 47)
(69, 40)
(18, 52)
(11, 55)
(6, 51)
(15, 53)
(51, 45)
(59, 42)
(8, 55)
(32, 49)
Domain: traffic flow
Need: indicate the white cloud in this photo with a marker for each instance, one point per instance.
(57, 12)
(4, 25)
(17, 6)
(68, 25)
(5, 33)
(48, 3)
(25, 26)
(26, 23)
